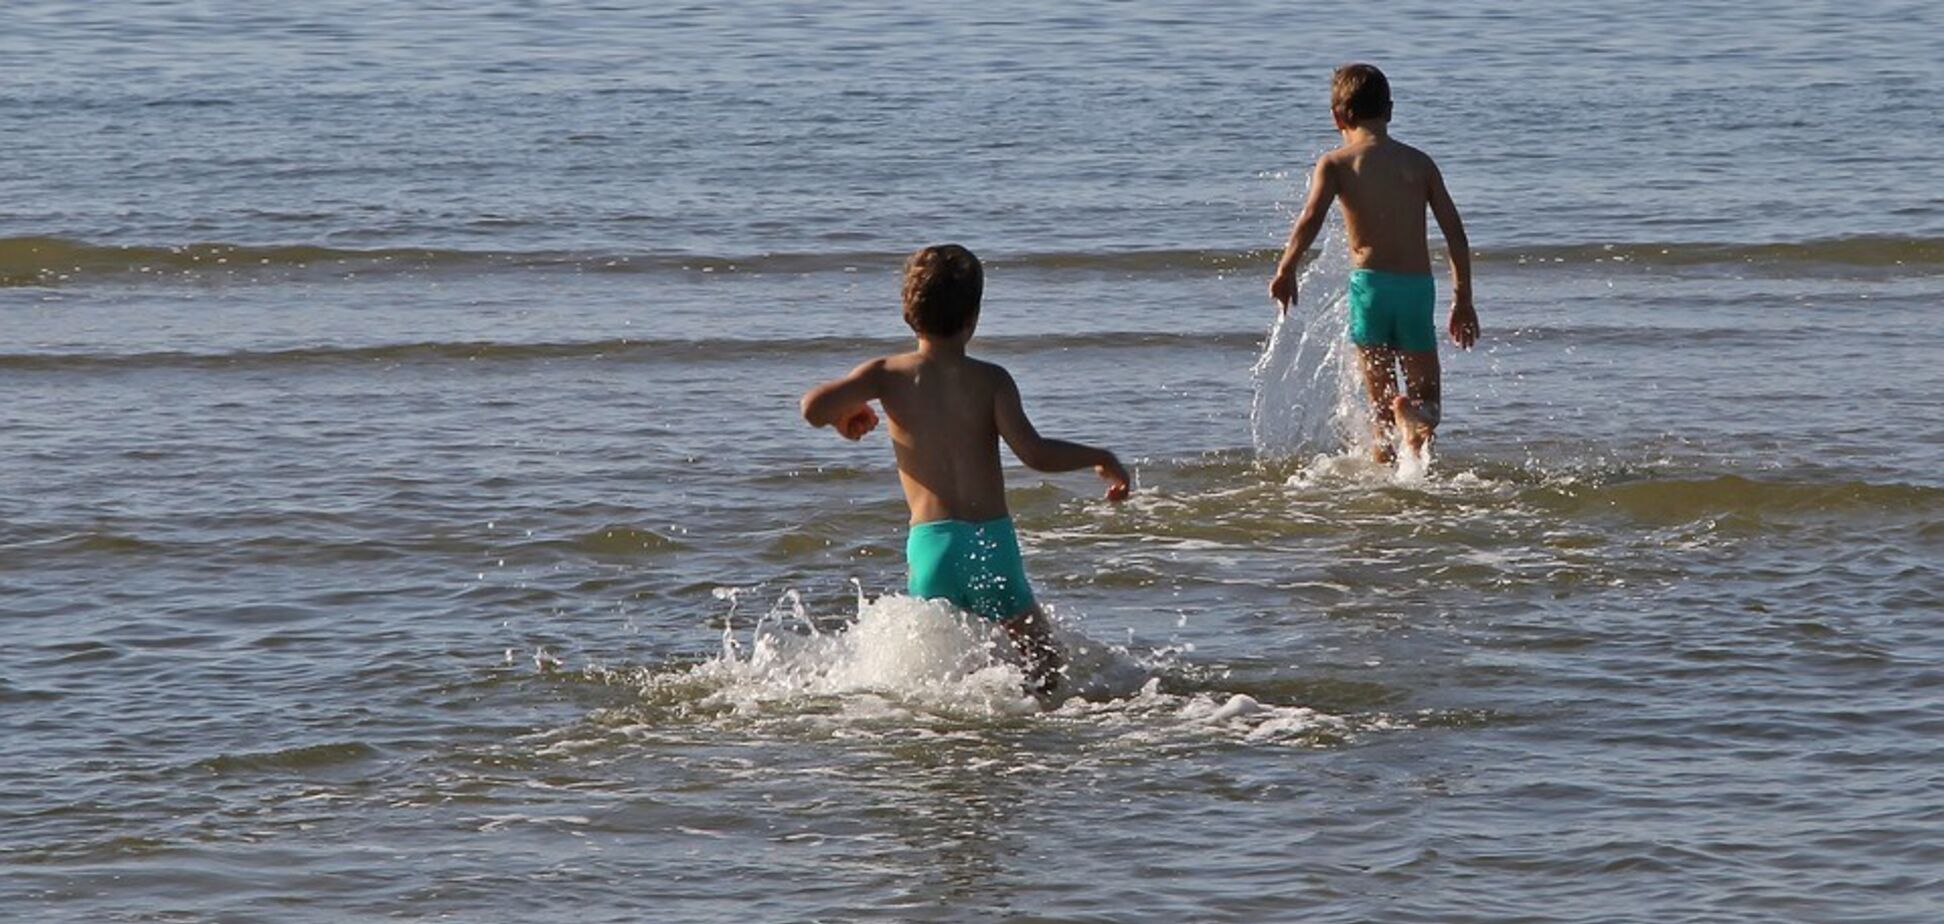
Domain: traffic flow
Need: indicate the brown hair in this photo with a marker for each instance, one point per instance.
(1358, 92)
(942, 287)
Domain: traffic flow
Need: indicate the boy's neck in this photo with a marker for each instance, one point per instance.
(1367, 131)
(941, 349)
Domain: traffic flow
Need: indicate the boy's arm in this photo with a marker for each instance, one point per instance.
(843, 402)
(1322, 192)
(1464, 318)
(1049, 455)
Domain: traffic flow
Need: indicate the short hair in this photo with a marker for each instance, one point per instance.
(942, 287)
(1358, 92)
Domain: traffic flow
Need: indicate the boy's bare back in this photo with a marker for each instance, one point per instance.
(948, 413)
(944, 428)
(1384, 186)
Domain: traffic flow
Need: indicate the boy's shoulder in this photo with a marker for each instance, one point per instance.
(1348, 153)
(896, 362)
(910, 362)
(992, 371)
(1421, 155)
(983, 374)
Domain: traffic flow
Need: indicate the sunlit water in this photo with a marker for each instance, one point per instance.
(404, 511)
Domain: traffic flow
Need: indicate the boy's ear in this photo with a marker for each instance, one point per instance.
(1341, 118)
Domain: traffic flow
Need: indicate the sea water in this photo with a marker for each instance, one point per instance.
(404, 512)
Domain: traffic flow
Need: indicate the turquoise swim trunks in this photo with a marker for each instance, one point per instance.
(1392, 310)
(975, 566)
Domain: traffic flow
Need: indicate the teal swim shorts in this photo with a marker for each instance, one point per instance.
(975, 566)
(1392, 310)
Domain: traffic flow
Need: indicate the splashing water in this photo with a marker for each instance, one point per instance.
(1413, 465)
(1307, 393)
(920, 653)
(906, 662)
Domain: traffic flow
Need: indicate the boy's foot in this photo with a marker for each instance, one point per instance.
(1416, 421)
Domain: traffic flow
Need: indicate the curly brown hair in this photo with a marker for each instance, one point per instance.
(942, 287)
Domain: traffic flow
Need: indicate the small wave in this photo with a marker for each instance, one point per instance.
(39, 260)
(621, 540)
(99, 541)
(298, 758)
(1676, 500)
(12, 694)
(46, 261)
(1692, 336)
(621, 349)
(1577, 492)
(1864, 251)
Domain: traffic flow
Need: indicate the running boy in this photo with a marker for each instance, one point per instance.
(1385, 186)
(948, 412)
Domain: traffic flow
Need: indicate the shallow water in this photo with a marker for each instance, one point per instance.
(404, 512)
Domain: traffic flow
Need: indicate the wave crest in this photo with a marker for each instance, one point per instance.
(40, 260)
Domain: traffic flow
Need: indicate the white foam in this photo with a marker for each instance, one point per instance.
(901, 651)
(1354, 470)
(1413, 465)
(1151, 717)
(1238, 705)
(909, 667)
(1346, 468)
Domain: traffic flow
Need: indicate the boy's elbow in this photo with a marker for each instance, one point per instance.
(808, 407)
(1032, 456)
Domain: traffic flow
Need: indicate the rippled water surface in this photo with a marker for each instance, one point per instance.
(404, 512)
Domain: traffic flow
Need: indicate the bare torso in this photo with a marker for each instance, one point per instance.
(946, 436)
(1384, 187)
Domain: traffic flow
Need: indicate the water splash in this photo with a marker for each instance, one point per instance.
(914, 653)
(1307, 394)
(905, 664)
(1413, 465)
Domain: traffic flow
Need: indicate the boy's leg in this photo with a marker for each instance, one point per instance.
(1032, 635)
(1419, 409)
(1380, 378)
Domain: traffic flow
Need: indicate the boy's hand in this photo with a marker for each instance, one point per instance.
(1283, 290)
(855, 424)
(1116, 477)
(1464, 322)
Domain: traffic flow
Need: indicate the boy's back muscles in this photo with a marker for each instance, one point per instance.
(944, 432)
(1384, 188)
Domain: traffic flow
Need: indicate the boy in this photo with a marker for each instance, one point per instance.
(1385, 186)
(948, 412)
